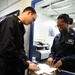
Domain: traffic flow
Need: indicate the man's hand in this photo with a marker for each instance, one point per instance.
(33, 67)
(58, 64)
(29, 61)
(50, 61)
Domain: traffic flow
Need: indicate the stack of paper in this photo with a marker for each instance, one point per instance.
(45, 69)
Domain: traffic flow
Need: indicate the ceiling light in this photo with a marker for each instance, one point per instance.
(60, 8)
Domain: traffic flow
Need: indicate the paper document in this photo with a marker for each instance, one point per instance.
(45, 69)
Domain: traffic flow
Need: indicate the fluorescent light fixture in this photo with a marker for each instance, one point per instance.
(60, 8)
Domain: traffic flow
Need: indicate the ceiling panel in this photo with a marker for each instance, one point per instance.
(63, 3)
(53, 8)
(68, 9)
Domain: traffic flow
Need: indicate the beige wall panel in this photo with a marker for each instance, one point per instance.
(12, 8)
(10, 2)
(27, 35)
(3, 4)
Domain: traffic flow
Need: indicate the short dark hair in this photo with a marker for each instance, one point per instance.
(30, 8)
(65, 18)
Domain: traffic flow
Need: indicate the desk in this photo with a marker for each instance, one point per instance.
(33, 73)
(46, 70)
(62, 72)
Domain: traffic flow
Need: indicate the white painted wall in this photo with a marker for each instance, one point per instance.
(42, 26)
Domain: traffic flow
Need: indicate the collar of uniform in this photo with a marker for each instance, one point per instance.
(19, 21)
(20, 24)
